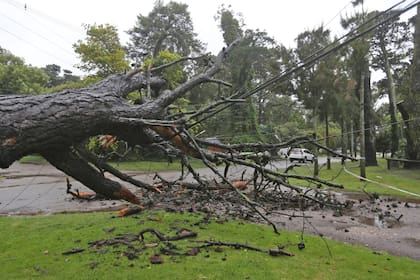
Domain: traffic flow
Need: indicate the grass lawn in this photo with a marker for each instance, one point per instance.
(404, 179)
(146, 166)
(32, 247)
(154, 166)
(34, 159)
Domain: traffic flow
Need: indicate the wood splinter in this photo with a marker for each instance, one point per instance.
(80, 195)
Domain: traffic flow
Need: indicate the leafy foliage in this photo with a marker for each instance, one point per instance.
(75, 84)
(256, 59)
(173, 74)
(18, 78)
(311, 83)
(54, 75)
(101, 51)
(230, 26)
(167, 27)
(391, 43)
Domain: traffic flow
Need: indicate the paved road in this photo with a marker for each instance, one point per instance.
(40, 188)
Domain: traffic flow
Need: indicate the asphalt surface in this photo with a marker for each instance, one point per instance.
(27, 188)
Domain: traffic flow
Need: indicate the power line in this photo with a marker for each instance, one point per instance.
(339, 13)
(380, 184)
(38, 34)
(50, 29)
(226, 136)
(32, 13)
(20, 5)
(318, 55)
(33, 45)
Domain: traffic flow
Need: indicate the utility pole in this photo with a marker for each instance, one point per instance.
(327, 139)
(314, 136)
(362, 128)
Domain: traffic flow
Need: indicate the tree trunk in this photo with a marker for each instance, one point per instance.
(370, 148)
(344, 137)
(392, 101)
(410, 108)
(315, 124)
(352, 146)
(410, 133)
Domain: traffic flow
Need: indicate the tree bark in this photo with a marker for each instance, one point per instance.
(53, 125)
(410, 108)
(370, 147)
(49, 122)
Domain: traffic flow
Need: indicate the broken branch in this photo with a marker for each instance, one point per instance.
(271, 252)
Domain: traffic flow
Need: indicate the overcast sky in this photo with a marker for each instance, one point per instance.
(44, 32)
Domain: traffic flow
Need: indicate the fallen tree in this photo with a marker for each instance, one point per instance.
(57, 126)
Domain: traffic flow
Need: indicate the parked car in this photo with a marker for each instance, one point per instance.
(301, 155)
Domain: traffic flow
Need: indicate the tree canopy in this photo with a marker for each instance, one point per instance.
(101, 52)
(166, 27)
(18, 78)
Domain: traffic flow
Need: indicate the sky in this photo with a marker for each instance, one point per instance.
(42, 31)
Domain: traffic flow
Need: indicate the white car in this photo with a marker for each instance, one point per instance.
(301, 155)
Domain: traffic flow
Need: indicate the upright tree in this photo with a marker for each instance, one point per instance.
(410, 108)
(166, 27)
(253, 61)
(53, 71)
(16, 77)
(69, 77)
(389, 50)
(314, 86)
(346, 109)
(54, 75)
(358, 62)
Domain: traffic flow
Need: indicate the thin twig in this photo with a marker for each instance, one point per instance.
(272, 252)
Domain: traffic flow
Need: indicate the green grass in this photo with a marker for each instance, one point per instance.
(408, 180)
(32, 247)
(34, 159)
(146, 166)
(153, 166)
